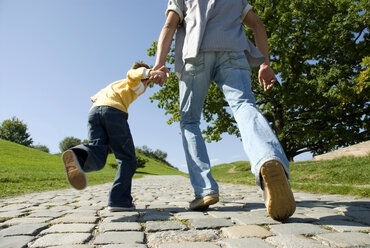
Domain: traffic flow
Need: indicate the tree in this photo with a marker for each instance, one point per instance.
(42, 148)
(68, 142)
(316, 49)
(15, 130)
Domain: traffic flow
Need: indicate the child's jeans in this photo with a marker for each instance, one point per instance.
(108, 127)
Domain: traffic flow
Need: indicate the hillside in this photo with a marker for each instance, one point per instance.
(25, 170)
(346, 176)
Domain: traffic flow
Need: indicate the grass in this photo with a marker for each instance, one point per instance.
(25, 170)
(346, 176)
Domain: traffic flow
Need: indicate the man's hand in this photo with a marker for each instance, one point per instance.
(157, 77)
(164, 69)
(266, 76)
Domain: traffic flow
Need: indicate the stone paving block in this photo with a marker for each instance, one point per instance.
(119, 226)
(117, 219)
(156, 215)
(189, 245)
(348, 239)
(12, 214)
(26, 220)
(15, 241)
(119, 238)
(70, 228)
(247, 231)
(294, 241)
(254, 219)
(155, 226)
(53, 214)
(210, 223)
(191, 215)
(155, 239)
(345, 226)
(243, 243)
(226, 214)
(360, 216)
(76, 219)
(26, 229)
(125, 246)
(298, 228)
(61, 239)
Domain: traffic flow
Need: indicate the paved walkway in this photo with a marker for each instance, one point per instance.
(70, 218)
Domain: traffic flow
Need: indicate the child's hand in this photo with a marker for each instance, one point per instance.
(157, 77)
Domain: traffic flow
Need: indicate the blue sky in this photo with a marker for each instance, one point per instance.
(55, 54)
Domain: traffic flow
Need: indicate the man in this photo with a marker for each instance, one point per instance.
(211, 45)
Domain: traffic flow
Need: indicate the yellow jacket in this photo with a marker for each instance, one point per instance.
(122, 93)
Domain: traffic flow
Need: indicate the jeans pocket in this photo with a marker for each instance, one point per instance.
(194, 65)
(238, 60)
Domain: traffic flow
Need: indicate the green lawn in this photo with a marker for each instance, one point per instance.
(25, 170)
(346, 176)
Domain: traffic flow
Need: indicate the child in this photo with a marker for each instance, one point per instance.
(108, 127)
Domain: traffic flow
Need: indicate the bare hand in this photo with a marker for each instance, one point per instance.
(157, 77)
(164, 69)
(266, 77)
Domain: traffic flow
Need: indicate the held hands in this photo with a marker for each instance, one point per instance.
(266, 76)
(162, 76)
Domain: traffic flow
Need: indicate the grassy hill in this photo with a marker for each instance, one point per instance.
(25, 170)
(346, 176)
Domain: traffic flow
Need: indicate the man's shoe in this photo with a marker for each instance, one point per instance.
(121, 209)
(75, 175)
(203, 203)
(279, 198)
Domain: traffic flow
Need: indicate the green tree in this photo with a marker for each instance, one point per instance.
(15, 130)
(69, 142)
(316, 49)
(41, 148)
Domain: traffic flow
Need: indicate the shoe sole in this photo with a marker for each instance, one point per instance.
(119, 209)
(207, 200)
(76, 177)
(280, 203)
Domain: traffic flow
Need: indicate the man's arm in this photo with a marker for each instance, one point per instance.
(266, 75)
(164, 42)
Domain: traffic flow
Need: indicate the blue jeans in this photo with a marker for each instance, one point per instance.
(231, 72)
(108, 127)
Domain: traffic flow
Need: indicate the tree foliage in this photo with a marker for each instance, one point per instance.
(15, 130)
(69, 142)
(42, 148)
(316, 50)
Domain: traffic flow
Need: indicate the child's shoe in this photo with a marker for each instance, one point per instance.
(279, 198)
(203, 203)
(75, 175)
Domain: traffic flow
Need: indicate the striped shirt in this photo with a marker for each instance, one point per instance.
(122, 93)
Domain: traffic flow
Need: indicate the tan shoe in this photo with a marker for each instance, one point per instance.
(75, 175)
(203, 203)
(279, 198)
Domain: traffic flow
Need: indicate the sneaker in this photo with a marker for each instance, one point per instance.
(202, 203)
(121, 209)
(75, 175)
(279, 199)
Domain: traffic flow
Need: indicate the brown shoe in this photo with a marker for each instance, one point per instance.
(203, 203)
(75, 175)
(279, 198)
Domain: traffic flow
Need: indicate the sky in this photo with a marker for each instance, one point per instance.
(55, 54)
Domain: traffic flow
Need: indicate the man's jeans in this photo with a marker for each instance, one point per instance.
(231, 72)
(108, 127)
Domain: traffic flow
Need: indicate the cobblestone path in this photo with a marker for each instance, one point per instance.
(70, 218)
